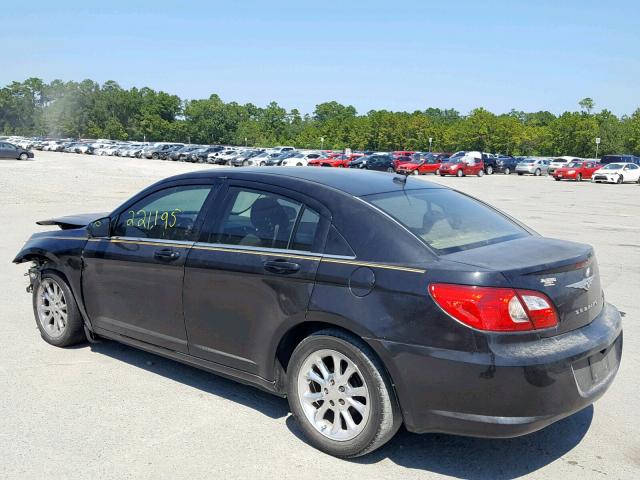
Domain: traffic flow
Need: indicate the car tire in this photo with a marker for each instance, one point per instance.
(380, 418)
(415, 172)
(489, 170)
(481, 173)
(154, 156)
(262, 164)
(520, 174)
(459, 173)
(245, 163)
(557, 179)
(579, 177)
(507, 171)
(390, 170)
(298, 164)
(620, 179)
(23, 156)
(538, 172)
(442, 174)
(63, 326)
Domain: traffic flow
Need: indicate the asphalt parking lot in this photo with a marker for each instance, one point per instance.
(110, 411)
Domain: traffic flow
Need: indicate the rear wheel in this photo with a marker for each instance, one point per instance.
(340, 395)
(620, 179)
(538, 172)
(415, 172)
(23, 156)
(557, 179)
(507, 171)
(489, 170)
(56, 312)
(481, 173)
(579, 177)
(390, 170)
(519, 173)
(459, 173)
(154, 156)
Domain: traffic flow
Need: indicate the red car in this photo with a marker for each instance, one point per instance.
(335, 160)
(399, 160)
(422, 164)
(576, 170)
(461, 165)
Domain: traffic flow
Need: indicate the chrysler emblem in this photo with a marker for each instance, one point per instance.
(583, 284)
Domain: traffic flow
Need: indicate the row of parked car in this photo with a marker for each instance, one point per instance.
(609, 169)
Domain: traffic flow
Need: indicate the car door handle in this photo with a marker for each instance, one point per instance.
(282, 267)
(166, 254)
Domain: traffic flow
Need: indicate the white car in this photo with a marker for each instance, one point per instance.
(281, 149)
(617, 173)
(300, 159)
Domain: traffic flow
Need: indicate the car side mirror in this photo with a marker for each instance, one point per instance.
(100, 228)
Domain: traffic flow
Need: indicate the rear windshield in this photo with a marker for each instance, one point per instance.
(447, 221)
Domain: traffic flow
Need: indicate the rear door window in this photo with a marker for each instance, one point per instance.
(266, 220)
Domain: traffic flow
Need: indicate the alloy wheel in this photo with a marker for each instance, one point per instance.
(52, 308)
(333, 395)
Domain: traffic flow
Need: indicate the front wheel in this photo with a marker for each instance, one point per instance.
(459, 173)
(481, 173)
(489, 170)
(507, 171)
(340, 395)
(538, 172)
(620, 179)
(154, 156)
(579, 177)
(415, 172)
(56, 312)
(23, 156)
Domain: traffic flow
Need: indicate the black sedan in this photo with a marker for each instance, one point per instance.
(368, 300)
(383, 163)
(11, 151)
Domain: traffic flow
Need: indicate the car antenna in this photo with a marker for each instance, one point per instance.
(401, 179)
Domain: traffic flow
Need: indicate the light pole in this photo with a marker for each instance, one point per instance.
(321, 143)
(430, 140)
(245, 141)
(597, 145)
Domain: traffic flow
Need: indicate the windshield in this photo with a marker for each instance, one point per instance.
(574, 165)
(613, 166)
(447, 221)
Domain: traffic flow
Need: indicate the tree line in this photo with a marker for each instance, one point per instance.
(87, 109)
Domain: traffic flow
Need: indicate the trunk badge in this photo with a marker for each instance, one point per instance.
(583, 284)
(548, 282)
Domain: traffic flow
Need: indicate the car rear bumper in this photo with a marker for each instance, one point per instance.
(518, 388)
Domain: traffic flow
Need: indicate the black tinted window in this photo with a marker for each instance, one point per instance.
(168, 214)
(337, 245)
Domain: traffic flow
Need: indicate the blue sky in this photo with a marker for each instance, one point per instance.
(397, 55)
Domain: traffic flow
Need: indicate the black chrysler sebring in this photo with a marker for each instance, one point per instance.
(367, 299)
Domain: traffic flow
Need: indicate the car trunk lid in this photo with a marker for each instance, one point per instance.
(566, 272)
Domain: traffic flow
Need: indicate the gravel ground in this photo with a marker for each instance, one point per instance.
(110, 411)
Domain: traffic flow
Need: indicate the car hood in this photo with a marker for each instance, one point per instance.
(602, 171)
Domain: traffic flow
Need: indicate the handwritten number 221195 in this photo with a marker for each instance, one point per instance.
(150, 219)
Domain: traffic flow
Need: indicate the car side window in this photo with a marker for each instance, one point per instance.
(259, 219)
(306, 230)
(168, 214)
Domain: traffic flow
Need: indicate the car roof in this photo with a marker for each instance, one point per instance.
(351, 181)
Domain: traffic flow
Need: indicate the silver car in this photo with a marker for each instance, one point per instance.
(533, 166)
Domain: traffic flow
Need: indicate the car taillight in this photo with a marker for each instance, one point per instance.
(495, 309)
